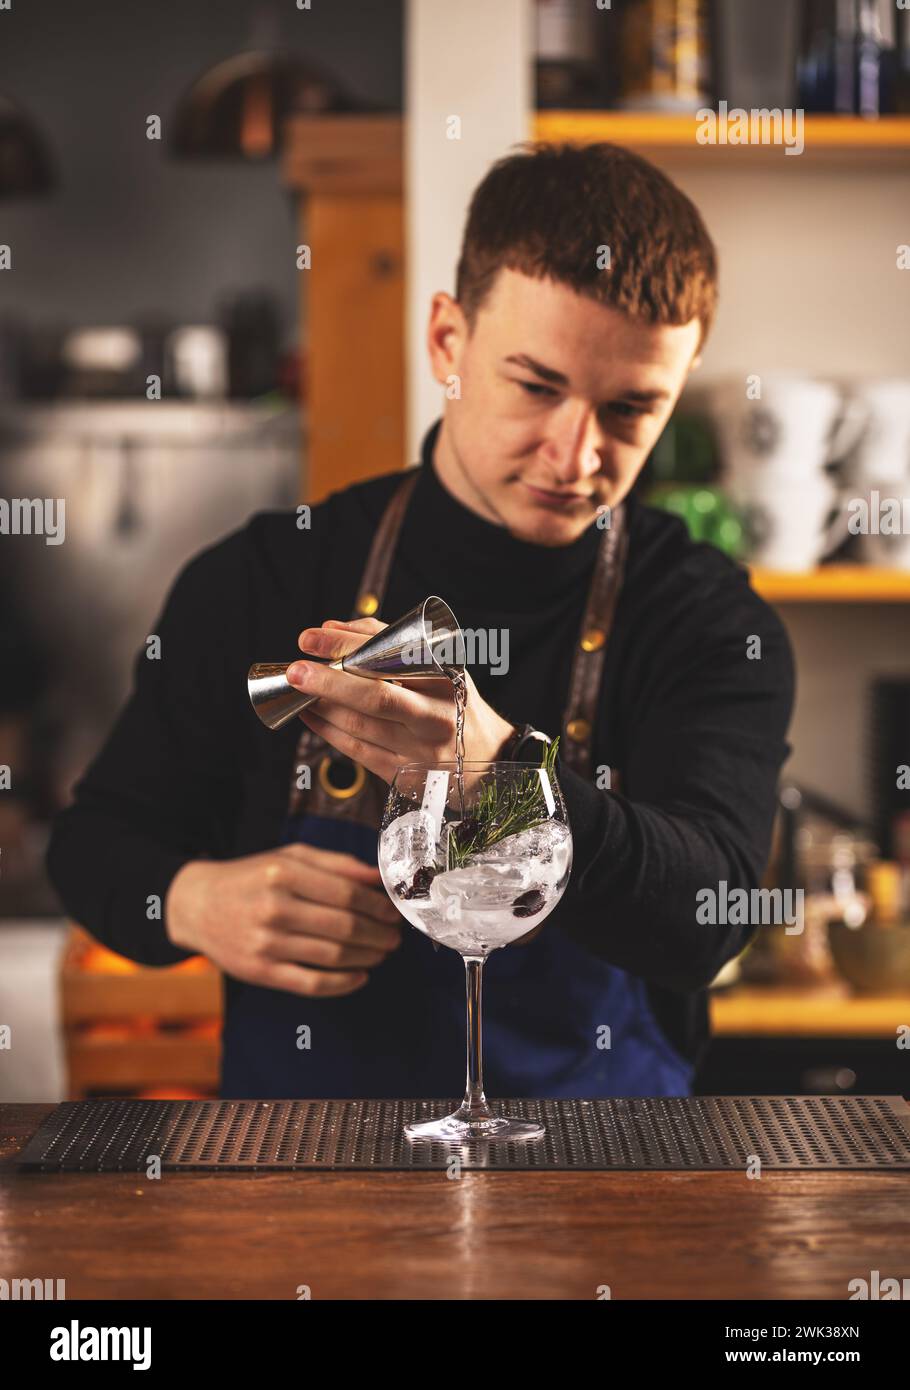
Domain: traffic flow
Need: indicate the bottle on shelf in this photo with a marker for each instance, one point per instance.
(900, 840)
(568, 43)
(826, 76)
(848, 61)
(902, 62)
(883, 885)
(663, 55)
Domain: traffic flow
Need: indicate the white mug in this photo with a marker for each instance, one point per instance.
(882, 524)
(883, 452)
(789, 523)
(887, 552)
(795, 428)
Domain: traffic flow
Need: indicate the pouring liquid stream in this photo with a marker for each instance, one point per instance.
(460, 692)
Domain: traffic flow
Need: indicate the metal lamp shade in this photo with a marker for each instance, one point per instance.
(238, 108)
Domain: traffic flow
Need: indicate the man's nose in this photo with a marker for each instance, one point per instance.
(576, 449)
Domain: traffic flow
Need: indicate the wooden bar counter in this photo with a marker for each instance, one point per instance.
(389, 1235)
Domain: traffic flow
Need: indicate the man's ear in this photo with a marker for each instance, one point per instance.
(445, 328)
(696, 362)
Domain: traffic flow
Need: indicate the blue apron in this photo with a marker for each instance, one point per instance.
(557, 1022)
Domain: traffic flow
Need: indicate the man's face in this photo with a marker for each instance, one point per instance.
(561, 401)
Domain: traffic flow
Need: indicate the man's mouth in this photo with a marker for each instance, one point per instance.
(559, 500)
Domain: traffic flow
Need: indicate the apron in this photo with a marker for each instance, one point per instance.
(548, 1002)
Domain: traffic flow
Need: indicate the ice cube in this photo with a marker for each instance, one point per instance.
(497, 897)
(406, 845)
(544, 853)
(472, 910)
(479, 888)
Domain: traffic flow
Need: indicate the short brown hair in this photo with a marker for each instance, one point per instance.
(546, 210)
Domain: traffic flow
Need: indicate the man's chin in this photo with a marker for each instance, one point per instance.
(544, 527)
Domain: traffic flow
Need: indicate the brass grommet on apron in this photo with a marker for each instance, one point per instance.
(332, 788)
(578, 730)
(593, 639)
(367, 604)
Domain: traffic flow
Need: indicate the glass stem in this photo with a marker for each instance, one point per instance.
(474, 1106)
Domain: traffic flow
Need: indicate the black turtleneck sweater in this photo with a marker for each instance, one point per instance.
(697, 728)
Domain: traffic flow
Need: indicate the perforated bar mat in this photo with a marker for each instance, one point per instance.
(702, 1132)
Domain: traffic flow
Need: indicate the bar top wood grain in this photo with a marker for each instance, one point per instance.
(383, 1235)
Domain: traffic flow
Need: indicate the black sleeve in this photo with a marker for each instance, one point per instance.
(161, 788)
(701, 761)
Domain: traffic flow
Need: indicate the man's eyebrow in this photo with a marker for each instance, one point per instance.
(521, 359)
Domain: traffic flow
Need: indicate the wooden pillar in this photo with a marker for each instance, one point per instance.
(348, 173)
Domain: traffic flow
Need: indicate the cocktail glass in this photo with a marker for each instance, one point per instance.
(475, 857)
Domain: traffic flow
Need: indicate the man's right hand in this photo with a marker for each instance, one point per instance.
(268, 918)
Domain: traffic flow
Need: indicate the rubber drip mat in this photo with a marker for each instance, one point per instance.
(868, 1132)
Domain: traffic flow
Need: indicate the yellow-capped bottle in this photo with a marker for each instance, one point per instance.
(884, 884)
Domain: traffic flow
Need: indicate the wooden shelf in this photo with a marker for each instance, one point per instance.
(834, 584)
(815, 1011)
(845, 139)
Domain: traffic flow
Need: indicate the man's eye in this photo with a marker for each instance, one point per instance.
(534, 388)
(627, 410)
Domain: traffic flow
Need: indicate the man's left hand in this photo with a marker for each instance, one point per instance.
(381, 724)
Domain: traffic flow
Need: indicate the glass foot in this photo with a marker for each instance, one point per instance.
(452, 1130)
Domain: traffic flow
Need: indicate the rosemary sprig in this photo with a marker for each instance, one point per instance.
(502, 811)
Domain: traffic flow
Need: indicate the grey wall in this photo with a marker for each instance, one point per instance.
(129, 231)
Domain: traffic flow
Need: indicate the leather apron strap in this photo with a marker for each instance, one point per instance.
(376, 571)
(312, 751)
(587, 665)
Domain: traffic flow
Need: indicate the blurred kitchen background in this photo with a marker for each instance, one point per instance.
(169, 365)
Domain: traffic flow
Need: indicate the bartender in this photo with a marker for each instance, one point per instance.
(584, 292)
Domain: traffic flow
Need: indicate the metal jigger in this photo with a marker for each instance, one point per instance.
(425, 643)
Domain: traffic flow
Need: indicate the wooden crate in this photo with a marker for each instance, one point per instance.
(130, 1029)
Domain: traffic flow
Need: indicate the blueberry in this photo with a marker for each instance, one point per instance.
(420, 887)
(526, 904)
(466, 830)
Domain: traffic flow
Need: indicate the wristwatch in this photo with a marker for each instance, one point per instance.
(524, 745)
